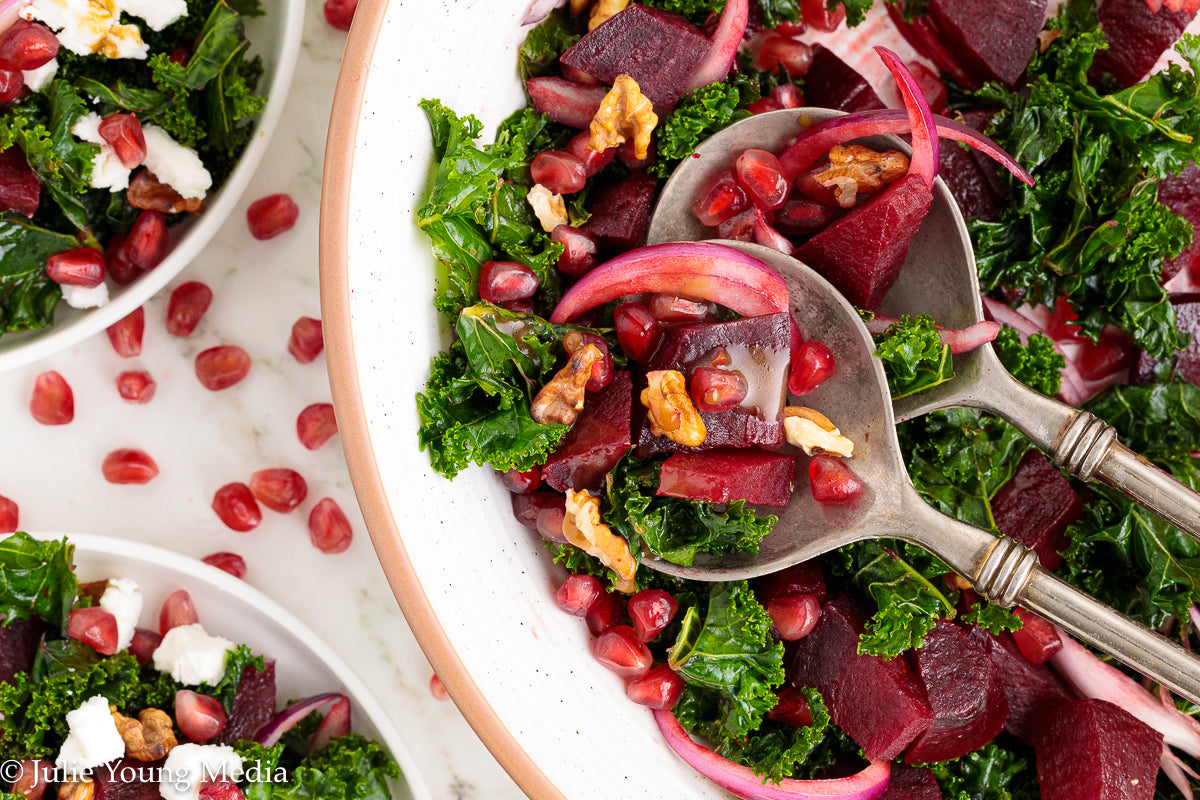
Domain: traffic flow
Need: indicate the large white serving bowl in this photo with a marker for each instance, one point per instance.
(232, 608)
(275, 36)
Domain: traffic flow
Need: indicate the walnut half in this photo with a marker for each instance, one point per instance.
(76, 789)
(855, 169)
(149, 737)
(672, 413)
(625, 113)
(583, 528)
(812, 432)
(561, 400)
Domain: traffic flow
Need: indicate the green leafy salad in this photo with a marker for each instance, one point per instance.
(1090, 236)
(91, 703)
(184, 75)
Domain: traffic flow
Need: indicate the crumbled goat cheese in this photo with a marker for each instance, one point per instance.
(93, 738)
(122, 598)
(89, 297)
(188, 766)
(38, 79)
(107, 170)
(158, 14)
(85, 27)
(175, 165)
(191, 655)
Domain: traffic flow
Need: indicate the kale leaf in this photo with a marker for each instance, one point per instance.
(856, 10)
(698, 115)
(1035, 363)
(990, 773)
(914, 358)
(699, 11)
(544, 44)
(36, 580)
(350, 767)
(27, 296)
(993, 618)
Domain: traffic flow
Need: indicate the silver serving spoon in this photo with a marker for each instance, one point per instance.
(856, 399)
(939, 279)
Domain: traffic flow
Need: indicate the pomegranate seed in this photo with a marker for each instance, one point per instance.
(549, 523)
(787, 95)
(31, 779)
(637, 330)
(619, 649)
(272, 215)
(126, 333)
(316, 425)
(558, 171)
(808, 185)
(146, 243)
(606, 612)
(722, 200)
(136, 387)
(232, 563)
(813, 365)
(795, 616)
(525, 507)
(670, 309)
(53, 402)
(627, 154)
(119, 267)
(523, 305)
(603, 370)
(437, 689)
(12, 82)
(521, 482)
(739, 227)
(278, 489)
(340, 13)
(791, 708)
(501, 281)
(127, 466)
(659, 688)
(8, 515)
(802, 216)
(717, 390)
(178, 609)
(306, 342)
(236, 507)
(593, 160)
(763, 105)
(833, 483)
(1036, 638)
(223, 789)
(145, 642)
(95, 627)
(579, 250)
(651, 610)
(328, 527)
(124, 135)
(221, 367)
(783, 51)
(817, 16)
(761, 175)
(27, 45)
(186, 307)
(578, 593)
(181, 56)
(83, 266)
(931, 86)
(198, 716)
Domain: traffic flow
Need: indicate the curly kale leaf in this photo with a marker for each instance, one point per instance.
(350, 767)
(699, 11)
(36, 579)
(1036, 363)
(544, 44)
(993, 618)
(27, 296)
(914, 358)
(700, 114)
(990, 773)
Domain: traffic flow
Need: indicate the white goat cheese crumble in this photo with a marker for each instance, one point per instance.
(191, 655)
(89, 297)
(107, 170)
(85, 27)
(93, 738)
(122, 598)
(177, 166)
(188, 766)
(38, 79)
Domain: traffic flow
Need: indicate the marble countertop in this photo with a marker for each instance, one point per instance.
(202, 440)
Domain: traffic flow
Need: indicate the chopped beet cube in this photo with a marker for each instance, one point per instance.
(658, 49)
(20, 189)
(1032, 690)
(832, 83)
(911, 783)
(1187, 360)
(794, 581)
(1095, 750)
(718, 476)
(1136, 38)
(817, 660)
(621, 213)
(757, 347)
(976, 185)
(1036, 506)
(993, 46)
(965, 693)
(1181, 194)
(127, 779)
(596, 442)
(253, 704)
(19, 642)
(863, 252)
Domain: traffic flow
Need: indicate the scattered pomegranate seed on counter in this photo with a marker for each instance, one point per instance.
(271, 215)
(198, 716)
(95, 627)
(136, 386)
(316, 425)
(189, 301)
(278, 489)
(53, 402)
(437, 689)
(9, 518)
(328, 527)
(235, 505)
(306, 342)
(340, 13)
(232, 563)
(128, 465)
(178, 609)
(126, 333)
(222, 366)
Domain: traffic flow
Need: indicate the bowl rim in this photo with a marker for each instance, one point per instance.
(352, 421)
(59, 336)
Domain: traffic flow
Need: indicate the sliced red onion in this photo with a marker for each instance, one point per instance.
(1182, 283)
(815, 141)
(1174, 768)
(964, 340)
(285, 720)
(694, 270)
(925, 147)
(766, 235)
(743, 782)
(880, 323)
(540, 9)
(336, 723)
(725, 41)
(1072, 388)
(573, 104)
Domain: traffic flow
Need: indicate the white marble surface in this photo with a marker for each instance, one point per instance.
(202, 440)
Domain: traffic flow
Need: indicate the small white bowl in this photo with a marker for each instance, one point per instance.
(275, 36)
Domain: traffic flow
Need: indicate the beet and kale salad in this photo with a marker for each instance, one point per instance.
(649, 402)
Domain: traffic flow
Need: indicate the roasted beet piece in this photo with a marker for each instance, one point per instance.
(1181, 194)
(965, 693)
(596, 442)
(1094, 750)
(19, 641)
(718, 476)
(1187, 362)
(1136, 38)
(253, 705)
(1036, 506)
(20, 189)
(795, 581)
(975, 183)
(818, 659)
(911, 783)
(658, 49)
(758, 347)
(1032, 690)
(863, 252)
(621, 213)
(832, 83)
(127, 779)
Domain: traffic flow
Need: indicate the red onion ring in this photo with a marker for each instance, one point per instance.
(285, 720)
(725, 41)
(540, 9)
(925, 147)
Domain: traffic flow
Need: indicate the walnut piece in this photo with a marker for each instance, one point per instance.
(550, 208)
(625, 113)
(92, 589)
(672, 413)
(149, 737)
(561, 400)
(854, 170)
(812, 432)
(76, 789)
(603, 10)
(583, 528)
(148, 192)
